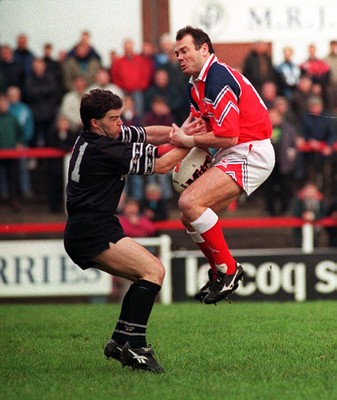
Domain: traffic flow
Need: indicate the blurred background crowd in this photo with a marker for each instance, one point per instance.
(39, 107)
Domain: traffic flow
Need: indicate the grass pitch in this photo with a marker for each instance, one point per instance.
(232, 351)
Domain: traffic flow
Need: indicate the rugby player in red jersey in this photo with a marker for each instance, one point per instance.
(238, 127)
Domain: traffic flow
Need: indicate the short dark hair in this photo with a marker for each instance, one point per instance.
(199, 37)
(97, 103)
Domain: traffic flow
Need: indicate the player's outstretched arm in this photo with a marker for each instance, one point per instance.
(158, 134)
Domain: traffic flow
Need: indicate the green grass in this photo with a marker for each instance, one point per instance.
(233, 351)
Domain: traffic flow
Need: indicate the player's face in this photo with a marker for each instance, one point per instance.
(110, 124)
(190, 59)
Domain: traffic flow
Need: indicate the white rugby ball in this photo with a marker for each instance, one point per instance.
(190, 168)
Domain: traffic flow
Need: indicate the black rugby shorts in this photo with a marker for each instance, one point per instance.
(87, 237)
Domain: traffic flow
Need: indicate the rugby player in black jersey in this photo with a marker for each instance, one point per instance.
(105, 153)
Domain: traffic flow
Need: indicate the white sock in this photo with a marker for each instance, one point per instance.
(205, 222)
(195, 236)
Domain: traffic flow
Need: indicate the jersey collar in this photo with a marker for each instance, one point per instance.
(204, 71)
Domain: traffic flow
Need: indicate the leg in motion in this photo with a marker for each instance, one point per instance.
(197, 204)
(128, 343)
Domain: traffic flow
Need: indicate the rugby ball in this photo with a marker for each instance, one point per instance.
(190, 168)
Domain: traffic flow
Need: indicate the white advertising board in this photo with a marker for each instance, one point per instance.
(42, 268)
(290, 22)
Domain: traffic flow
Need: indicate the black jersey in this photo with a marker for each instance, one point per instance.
(97, 172)
(100, 165)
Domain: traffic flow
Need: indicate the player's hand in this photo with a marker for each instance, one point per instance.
(179, 138)
(193, 126)
(187, 121)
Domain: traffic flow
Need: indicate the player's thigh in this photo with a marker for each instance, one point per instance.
(130, 260)
(214, 189)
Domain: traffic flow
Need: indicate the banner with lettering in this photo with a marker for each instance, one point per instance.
(289, 22)
(272, 275)
(42, 268)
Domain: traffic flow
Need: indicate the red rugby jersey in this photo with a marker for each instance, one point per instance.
(229, 101)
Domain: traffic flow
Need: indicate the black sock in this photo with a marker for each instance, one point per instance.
(124, 316)
(140, 303)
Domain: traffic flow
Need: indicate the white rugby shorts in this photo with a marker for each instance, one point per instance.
(249, 164)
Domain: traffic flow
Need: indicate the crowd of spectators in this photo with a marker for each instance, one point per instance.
(302, 103)
(43, 92)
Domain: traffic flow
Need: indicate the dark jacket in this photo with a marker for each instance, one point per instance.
(258, 68)
(42, 96)
(284, 146)
(318, 127)
(10, 131)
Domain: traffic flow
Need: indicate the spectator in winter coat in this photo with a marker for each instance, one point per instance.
(300, 96)
(81, 63)
(10, 138)
(24, 115)
(85, 40)
(317, 132)
(279, 187)
(42, 96)
(130, 73)
(10, 69)
(258, 66)
(55, 68)
(289, 73)
(316, 69)
(24, 56)
(162, 87)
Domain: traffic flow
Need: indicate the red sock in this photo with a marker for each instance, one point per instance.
(209, 256)
(218, 247)
(208, 227)
(199, 241)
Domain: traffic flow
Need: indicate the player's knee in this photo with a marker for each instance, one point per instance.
(155, 273)
(185, 202)
(161, 273)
